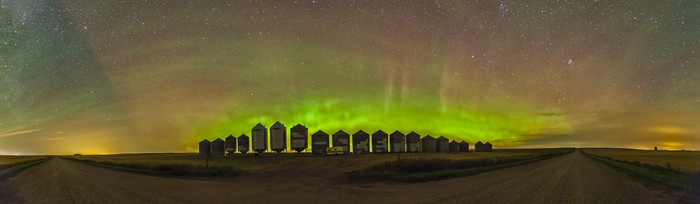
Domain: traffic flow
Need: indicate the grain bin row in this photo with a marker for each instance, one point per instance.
(341, 142)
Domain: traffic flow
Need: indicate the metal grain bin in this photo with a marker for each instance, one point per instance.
(278, 137)
(397, 142)
(299, 137)
(488, 147)
(454, 146)
(259, 134)
(412, 142)
(205, 148)
(479, 147)
(463, 146)
(319, 143)
(243, 144)
(217, 147)
(230, 145)
(380, 142)
(429, 144)
(360, 142)
(342, 139)
(443, 144)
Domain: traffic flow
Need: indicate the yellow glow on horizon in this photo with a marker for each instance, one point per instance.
(669, 129)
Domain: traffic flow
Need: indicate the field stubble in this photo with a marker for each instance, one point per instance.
(190, 164)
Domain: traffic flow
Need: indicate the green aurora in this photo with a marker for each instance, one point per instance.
(158, 76)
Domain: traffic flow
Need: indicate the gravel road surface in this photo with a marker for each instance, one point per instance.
(571, 178)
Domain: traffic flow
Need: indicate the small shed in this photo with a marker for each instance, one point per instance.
(397, 142)
(429, 144)
(342, 139)
(443, 144)
(380, 142)
(205, 148)
(463, 146)
(243, 144)
(217, 147)
(319, 142)
(412, 142)
(488, 147)
(278, 137)
(454, 146)
(230, 145)
(259, 134)
(360, 142)
(299, 138)
(479, 147)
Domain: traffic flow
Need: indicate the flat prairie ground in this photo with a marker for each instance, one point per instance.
(686, 161)
(8, 159)
(568, 178)
(275, 162)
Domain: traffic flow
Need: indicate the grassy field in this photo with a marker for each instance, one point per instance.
(190, 164)
(671, 171)
(427, 169)
(6, 159)
(685, 161)
(12, 165)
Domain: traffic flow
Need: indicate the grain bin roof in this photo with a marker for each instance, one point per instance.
(204, 141)
(320, 132)
(276, 125)
(230, 136)
(340, 132)
(379, 132)
(259, 126)
(396, 132)
(218, 140)
(442, 138)
(361, 133)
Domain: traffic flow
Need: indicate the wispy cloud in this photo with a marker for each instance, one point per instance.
(20, 132)
(51, 138)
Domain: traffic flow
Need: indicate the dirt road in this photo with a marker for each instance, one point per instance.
(571, 178)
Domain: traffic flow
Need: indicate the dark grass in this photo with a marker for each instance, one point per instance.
(166, 170)
(421, 170)
(658, 177)
(10, 170)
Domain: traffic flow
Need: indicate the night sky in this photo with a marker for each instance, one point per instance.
(159, 76)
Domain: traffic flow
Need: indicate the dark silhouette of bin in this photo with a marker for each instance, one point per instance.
(443, 144)
(259, 134)
(319, 142)
(217, 147)
(342, 139)
(278, 137)
(413, 142)
(479, 147)
(300, 138)
(488, 147)
(397, 142)
(360, 142)
(429, 144)
(380, 142)
(205, 148)
(243, 144)
(454, 146)
(463, 146)
(230, 145)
